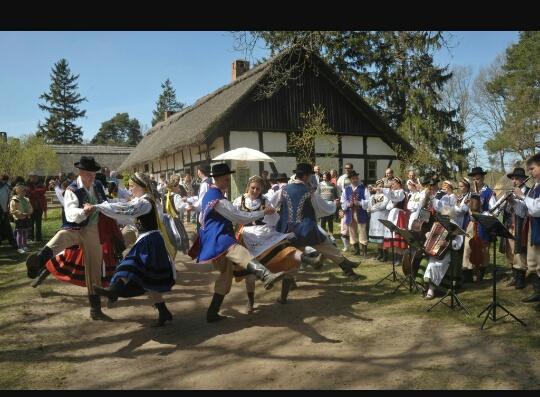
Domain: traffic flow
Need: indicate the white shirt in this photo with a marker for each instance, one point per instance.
(322, 207)
(203, 188)
(59, 194)
(533, 205)
(270, 220)
(340, 183)
(71, 203)
(124, 212)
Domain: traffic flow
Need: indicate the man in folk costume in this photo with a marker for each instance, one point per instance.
(80, 227)
(532, 201)
(342, 182)
(354, 202)
(514, 216)
(377, 210)
(218, 244)
(398, 215)
(206, 182)
(487, 202)
(300, 209)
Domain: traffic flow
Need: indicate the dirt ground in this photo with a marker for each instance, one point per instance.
(333, 334)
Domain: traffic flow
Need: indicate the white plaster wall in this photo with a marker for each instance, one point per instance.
(275, 141)
(178, 165)
(185, 152)
(248, 139)
(218, 147)
(155, 166)
(163, 163)
(353, 145)
(378, 146)
(195, 153)
(284, 164)
(327, 144)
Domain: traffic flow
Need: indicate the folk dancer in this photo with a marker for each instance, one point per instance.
(80, 227)
(377, 210)
(206, 182)
(299, 210)
(217, 242)
(354, 202)
(532, 202)
(268, 246)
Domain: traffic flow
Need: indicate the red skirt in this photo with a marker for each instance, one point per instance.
(398, 242)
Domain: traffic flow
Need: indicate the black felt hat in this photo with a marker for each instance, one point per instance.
(477, 171)
(220, 170)
(518, 172)
(87, 163)
(353, 173)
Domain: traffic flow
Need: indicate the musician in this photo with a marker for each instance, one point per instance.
(377, 210)
(437, 267)
(462, 215)
(354, 202)
(515, 213)
(487, 200)
(445, 197)
(532, 202)
(419, 199)
(398, 215)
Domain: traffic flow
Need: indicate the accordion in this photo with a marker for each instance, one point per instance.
(437, 244)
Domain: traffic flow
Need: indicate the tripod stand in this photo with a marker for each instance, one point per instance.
(412, 241)
(393, 273)
(451, 292)
(495, 229)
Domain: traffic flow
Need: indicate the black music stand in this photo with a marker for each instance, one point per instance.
(495, 229)
(392, 228)
(413, 240)
(453, 230)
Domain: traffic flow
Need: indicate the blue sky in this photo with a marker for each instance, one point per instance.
(123, 71)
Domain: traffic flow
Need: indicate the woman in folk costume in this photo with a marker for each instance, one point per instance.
(398, 215)
(267, 245)
(216, 243)
(354, 202)
(448, 198)
(377, 210)
(437, 267)
(147, 267)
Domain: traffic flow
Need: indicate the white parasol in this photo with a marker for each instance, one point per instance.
(244, 154)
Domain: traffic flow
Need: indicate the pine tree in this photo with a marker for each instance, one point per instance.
(61, 102)
(166, 102)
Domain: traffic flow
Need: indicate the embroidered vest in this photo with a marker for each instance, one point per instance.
(262, 206)
(82, 197)
(361, 214)
(216, 234)
(147, 222)
(298, 216)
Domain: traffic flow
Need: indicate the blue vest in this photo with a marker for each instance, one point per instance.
(535, 221)
(361, 214)
(216, 234)
(82, 196)
(484, 205)
(298, 216)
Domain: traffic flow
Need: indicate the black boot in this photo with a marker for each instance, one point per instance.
(95, 309)
(35, 262)
(467, 276)
(164, 314)
(520, 278)
(212, 314)
(293, 285)
(111, 292)
(314, 262)
(251, 302)
(356, 249)
(535, 297)
(39, 279)
(266, 276)
(513, 278)
(347, 267)
(285, 287)
(364, 250)
(379, 254)
(481, 274)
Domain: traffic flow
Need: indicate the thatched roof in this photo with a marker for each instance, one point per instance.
(91, 149)
(195, 123)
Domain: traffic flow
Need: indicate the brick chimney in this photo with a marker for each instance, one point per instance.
(239, 67)
(167, 114)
